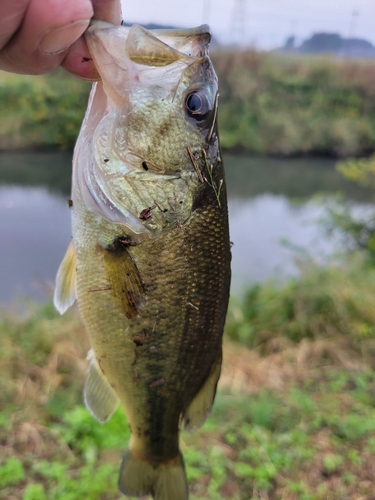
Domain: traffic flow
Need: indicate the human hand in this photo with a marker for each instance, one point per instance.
(37, 36)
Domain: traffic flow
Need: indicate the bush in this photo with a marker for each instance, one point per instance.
(41, 110)
(356, 229)
(324, 302)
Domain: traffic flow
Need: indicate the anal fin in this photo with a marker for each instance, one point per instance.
(65, 290)
(100, 399)
(198, 410)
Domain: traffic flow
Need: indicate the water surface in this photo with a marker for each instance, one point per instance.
(269, 202)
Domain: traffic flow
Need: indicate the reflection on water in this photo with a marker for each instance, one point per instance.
(52, 170)
(246, 176)
(260, 225)
(292, 177)
(35, 232)
(35, 221)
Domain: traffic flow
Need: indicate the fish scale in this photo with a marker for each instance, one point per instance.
(190, 339)
(149, 263)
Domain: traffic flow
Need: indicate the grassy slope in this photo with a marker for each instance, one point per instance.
(273, 104)
(294, 419)
(269, 104)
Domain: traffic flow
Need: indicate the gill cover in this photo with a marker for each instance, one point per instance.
(128, 59)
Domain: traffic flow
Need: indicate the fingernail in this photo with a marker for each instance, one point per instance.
(60, 39)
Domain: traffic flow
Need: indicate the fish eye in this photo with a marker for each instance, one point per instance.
(197, 104)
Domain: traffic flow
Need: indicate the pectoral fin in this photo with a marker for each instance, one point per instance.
(100, 399)
(65, 290)
(199, 408)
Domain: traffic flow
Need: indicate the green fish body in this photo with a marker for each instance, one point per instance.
(149, 263)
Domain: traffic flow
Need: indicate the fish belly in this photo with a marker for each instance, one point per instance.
(157, 346)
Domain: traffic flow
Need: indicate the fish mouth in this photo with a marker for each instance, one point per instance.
(136, 55)
(192, 42)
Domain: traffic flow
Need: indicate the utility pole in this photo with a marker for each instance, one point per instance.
(238, 28)
(352, 25)
(351, 33)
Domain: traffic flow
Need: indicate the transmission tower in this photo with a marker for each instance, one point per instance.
(238, 27)
(352, 25)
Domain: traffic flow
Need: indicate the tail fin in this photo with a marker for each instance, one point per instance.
(164, 481)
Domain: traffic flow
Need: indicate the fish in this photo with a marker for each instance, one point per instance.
(149, 260)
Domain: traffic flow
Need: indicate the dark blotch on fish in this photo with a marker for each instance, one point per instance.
(146, 213)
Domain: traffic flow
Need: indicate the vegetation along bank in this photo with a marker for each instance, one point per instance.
(270, 104)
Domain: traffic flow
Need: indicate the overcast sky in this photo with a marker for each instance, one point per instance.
(265, 23)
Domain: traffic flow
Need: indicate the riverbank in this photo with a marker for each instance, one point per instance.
(273, 104)
(270, 104)
(294, 416)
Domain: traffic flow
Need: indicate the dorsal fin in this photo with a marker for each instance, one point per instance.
(65, 289)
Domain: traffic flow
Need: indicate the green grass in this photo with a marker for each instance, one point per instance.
(325, 303)
(270, 445)
(283, 105)
(293, 419)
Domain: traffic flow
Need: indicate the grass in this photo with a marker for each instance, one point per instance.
(326, 304)
(283, 105)
(294, 417)
(270, 104)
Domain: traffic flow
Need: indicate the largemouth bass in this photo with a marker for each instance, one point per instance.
(149, 263)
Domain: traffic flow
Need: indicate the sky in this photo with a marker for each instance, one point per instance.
(264, 24)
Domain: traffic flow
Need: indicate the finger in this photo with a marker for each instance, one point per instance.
(108, 10)
(49, 27)
(78, 60)
(11, 15)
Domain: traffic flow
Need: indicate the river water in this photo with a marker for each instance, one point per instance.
(272, 210)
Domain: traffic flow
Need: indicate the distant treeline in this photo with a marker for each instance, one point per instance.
(333, 43)
(270, 104)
